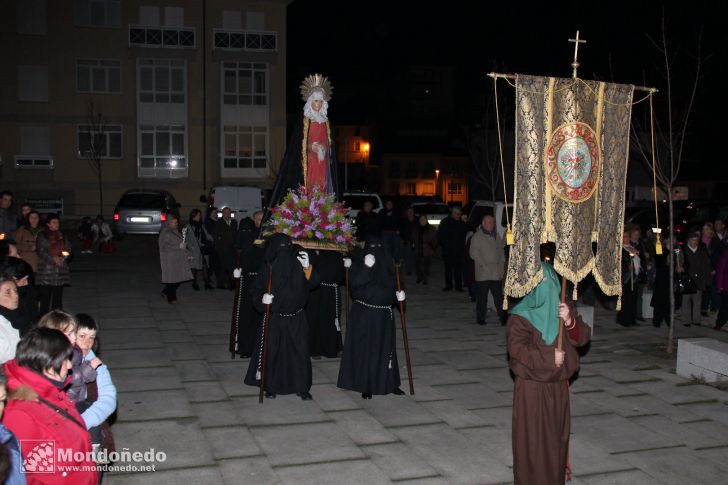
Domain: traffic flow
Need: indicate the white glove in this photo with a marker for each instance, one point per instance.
(347, 262)
(303, 259)
(400, 295)
(369, 260)
(182, 245)
(237, 272)
(267, 298)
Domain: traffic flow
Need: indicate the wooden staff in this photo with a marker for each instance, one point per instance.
(403, 320)
(264, 343)
(561, 321)
(235, 319)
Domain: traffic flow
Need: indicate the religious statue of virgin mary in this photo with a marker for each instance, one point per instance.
(310, 158)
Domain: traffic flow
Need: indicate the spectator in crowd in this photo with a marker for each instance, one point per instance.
(11, 464)
(173, 258)
(86, 235)
(25, 239)
(197, 240)
(38, 409)
(425, 242)
(367, 222)
(451, 236)
(697, 266)
(408, 231)
(9, 336)
(390, 223)
(635, 240)
(102, 235)
(25, 316)
(101, 397)
(719, 244)
(25, 209)
(53, 272)
(210, 221)
(661, 292)
(721, 284)
(631, 267)
(224, 235)
(486, 249)
(8, 217)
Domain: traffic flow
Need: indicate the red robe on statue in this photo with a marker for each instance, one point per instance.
(318, 156)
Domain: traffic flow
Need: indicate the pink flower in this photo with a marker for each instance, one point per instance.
(319, 235)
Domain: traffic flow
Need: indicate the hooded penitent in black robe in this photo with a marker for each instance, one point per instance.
(290, 173)
(248, 316)
(323, 310)
(369, 362)
(288, 364)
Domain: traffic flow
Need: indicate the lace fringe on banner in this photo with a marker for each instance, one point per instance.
(519, 291)
(574, 277)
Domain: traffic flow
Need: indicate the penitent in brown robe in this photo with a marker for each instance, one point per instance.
(541, 416)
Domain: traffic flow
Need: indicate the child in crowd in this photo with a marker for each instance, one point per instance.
(102, 403)
(11, 462)
(86, 235)
(82, 372)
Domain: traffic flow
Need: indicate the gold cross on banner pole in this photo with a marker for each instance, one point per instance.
(575, 64)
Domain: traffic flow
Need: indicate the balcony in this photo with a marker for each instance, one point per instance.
(245, 40)
(161, 37)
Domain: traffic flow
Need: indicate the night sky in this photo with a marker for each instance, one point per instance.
(359, 49)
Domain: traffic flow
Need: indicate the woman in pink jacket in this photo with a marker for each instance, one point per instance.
(56, 447)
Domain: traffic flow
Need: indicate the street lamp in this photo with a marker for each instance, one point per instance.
(437, 181)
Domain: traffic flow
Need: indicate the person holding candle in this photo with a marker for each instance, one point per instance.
(53, 273)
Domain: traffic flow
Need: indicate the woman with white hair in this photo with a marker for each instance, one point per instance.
(310, 159)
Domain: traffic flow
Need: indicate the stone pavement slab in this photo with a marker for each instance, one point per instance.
(634, 420)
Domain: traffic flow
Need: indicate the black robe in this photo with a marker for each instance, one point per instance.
(290, 173)
(248, 316)
(323, 310)
(288, 364)
(369, 362)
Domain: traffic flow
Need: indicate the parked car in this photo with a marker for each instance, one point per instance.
(354, 201)
(435, 211)
(480, 208)
(143, 211)
(243, 201)
(687, 215)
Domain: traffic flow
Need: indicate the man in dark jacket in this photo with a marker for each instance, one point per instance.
(224, 235)
(408, 232)
(451, 236)
(390, 230)
(8, 216)
(697, 265)
(367, 222)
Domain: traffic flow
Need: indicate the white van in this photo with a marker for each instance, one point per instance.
(354, 201)
(242, 201)
(497, 210)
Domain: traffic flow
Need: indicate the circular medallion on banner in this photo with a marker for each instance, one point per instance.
(572, 162)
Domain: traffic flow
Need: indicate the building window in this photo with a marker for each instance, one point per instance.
(357, 146)
(455, 188)
(255, 20)
(411, 169)
(394, 169)
(32, 83)
(245, 83)
(394, 188)
(428, 188)
(245, 147)
(30, 17)
(161, 81)
(162, 147)
(98, 13)
(411, 188)
(98, 76)
(99, 143)
(34, 148)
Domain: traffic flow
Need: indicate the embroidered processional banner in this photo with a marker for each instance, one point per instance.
(572, 146)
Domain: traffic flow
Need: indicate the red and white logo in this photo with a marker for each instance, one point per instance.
(40, 456)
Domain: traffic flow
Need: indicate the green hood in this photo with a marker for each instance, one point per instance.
(541, 306)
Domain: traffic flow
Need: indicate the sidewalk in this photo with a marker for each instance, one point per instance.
(634, 420)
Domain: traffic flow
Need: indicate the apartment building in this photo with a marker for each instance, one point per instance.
(161, 94)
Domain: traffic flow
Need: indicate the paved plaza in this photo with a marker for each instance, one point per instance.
(634, 421)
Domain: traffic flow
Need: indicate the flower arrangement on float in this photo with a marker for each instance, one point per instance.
(313, 219)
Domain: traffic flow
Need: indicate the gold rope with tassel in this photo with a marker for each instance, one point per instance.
(509, 234)
(658, 242)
